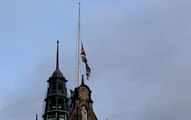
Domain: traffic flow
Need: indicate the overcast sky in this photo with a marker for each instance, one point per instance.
(139, 52)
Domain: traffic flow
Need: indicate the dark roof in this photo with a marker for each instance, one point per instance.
(57, 73)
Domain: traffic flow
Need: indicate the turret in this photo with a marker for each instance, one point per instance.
(56, 101)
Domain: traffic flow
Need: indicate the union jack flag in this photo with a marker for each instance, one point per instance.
(84, 59)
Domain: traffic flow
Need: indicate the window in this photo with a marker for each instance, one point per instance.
(54, 87)
(61, 104)
(52, 104)
(60, 88)
(61, 117)
(51, 117)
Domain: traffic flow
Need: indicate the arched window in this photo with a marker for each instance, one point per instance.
(60, 88)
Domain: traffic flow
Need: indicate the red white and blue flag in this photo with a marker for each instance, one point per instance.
(84, 59)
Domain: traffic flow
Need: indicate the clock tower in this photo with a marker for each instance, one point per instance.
(56, 101)
(80, 105)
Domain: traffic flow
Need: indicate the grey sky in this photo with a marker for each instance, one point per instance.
(139, 53)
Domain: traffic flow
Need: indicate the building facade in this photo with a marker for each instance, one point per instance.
(81, 104)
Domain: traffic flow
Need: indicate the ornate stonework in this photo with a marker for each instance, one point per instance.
(83, 93)
(81, 107)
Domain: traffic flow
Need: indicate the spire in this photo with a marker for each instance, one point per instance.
(82, 80)
(57, 72)
(57, 56)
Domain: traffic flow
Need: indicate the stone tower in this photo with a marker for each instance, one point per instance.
(80, 105)
(56, 101)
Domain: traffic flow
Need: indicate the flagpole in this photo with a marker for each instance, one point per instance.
(79, 47)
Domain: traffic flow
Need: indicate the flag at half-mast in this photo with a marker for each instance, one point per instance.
(84, 59)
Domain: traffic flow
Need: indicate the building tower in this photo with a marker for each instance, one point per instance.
(80, 106)
(56, 101)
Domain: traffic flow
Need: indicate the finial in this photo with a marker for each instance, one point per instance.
(57, 56)
(36, 116)
(82, 80)
(71, 91)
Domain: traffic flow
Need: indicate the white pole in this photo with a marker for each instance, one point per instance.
(79, 46)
